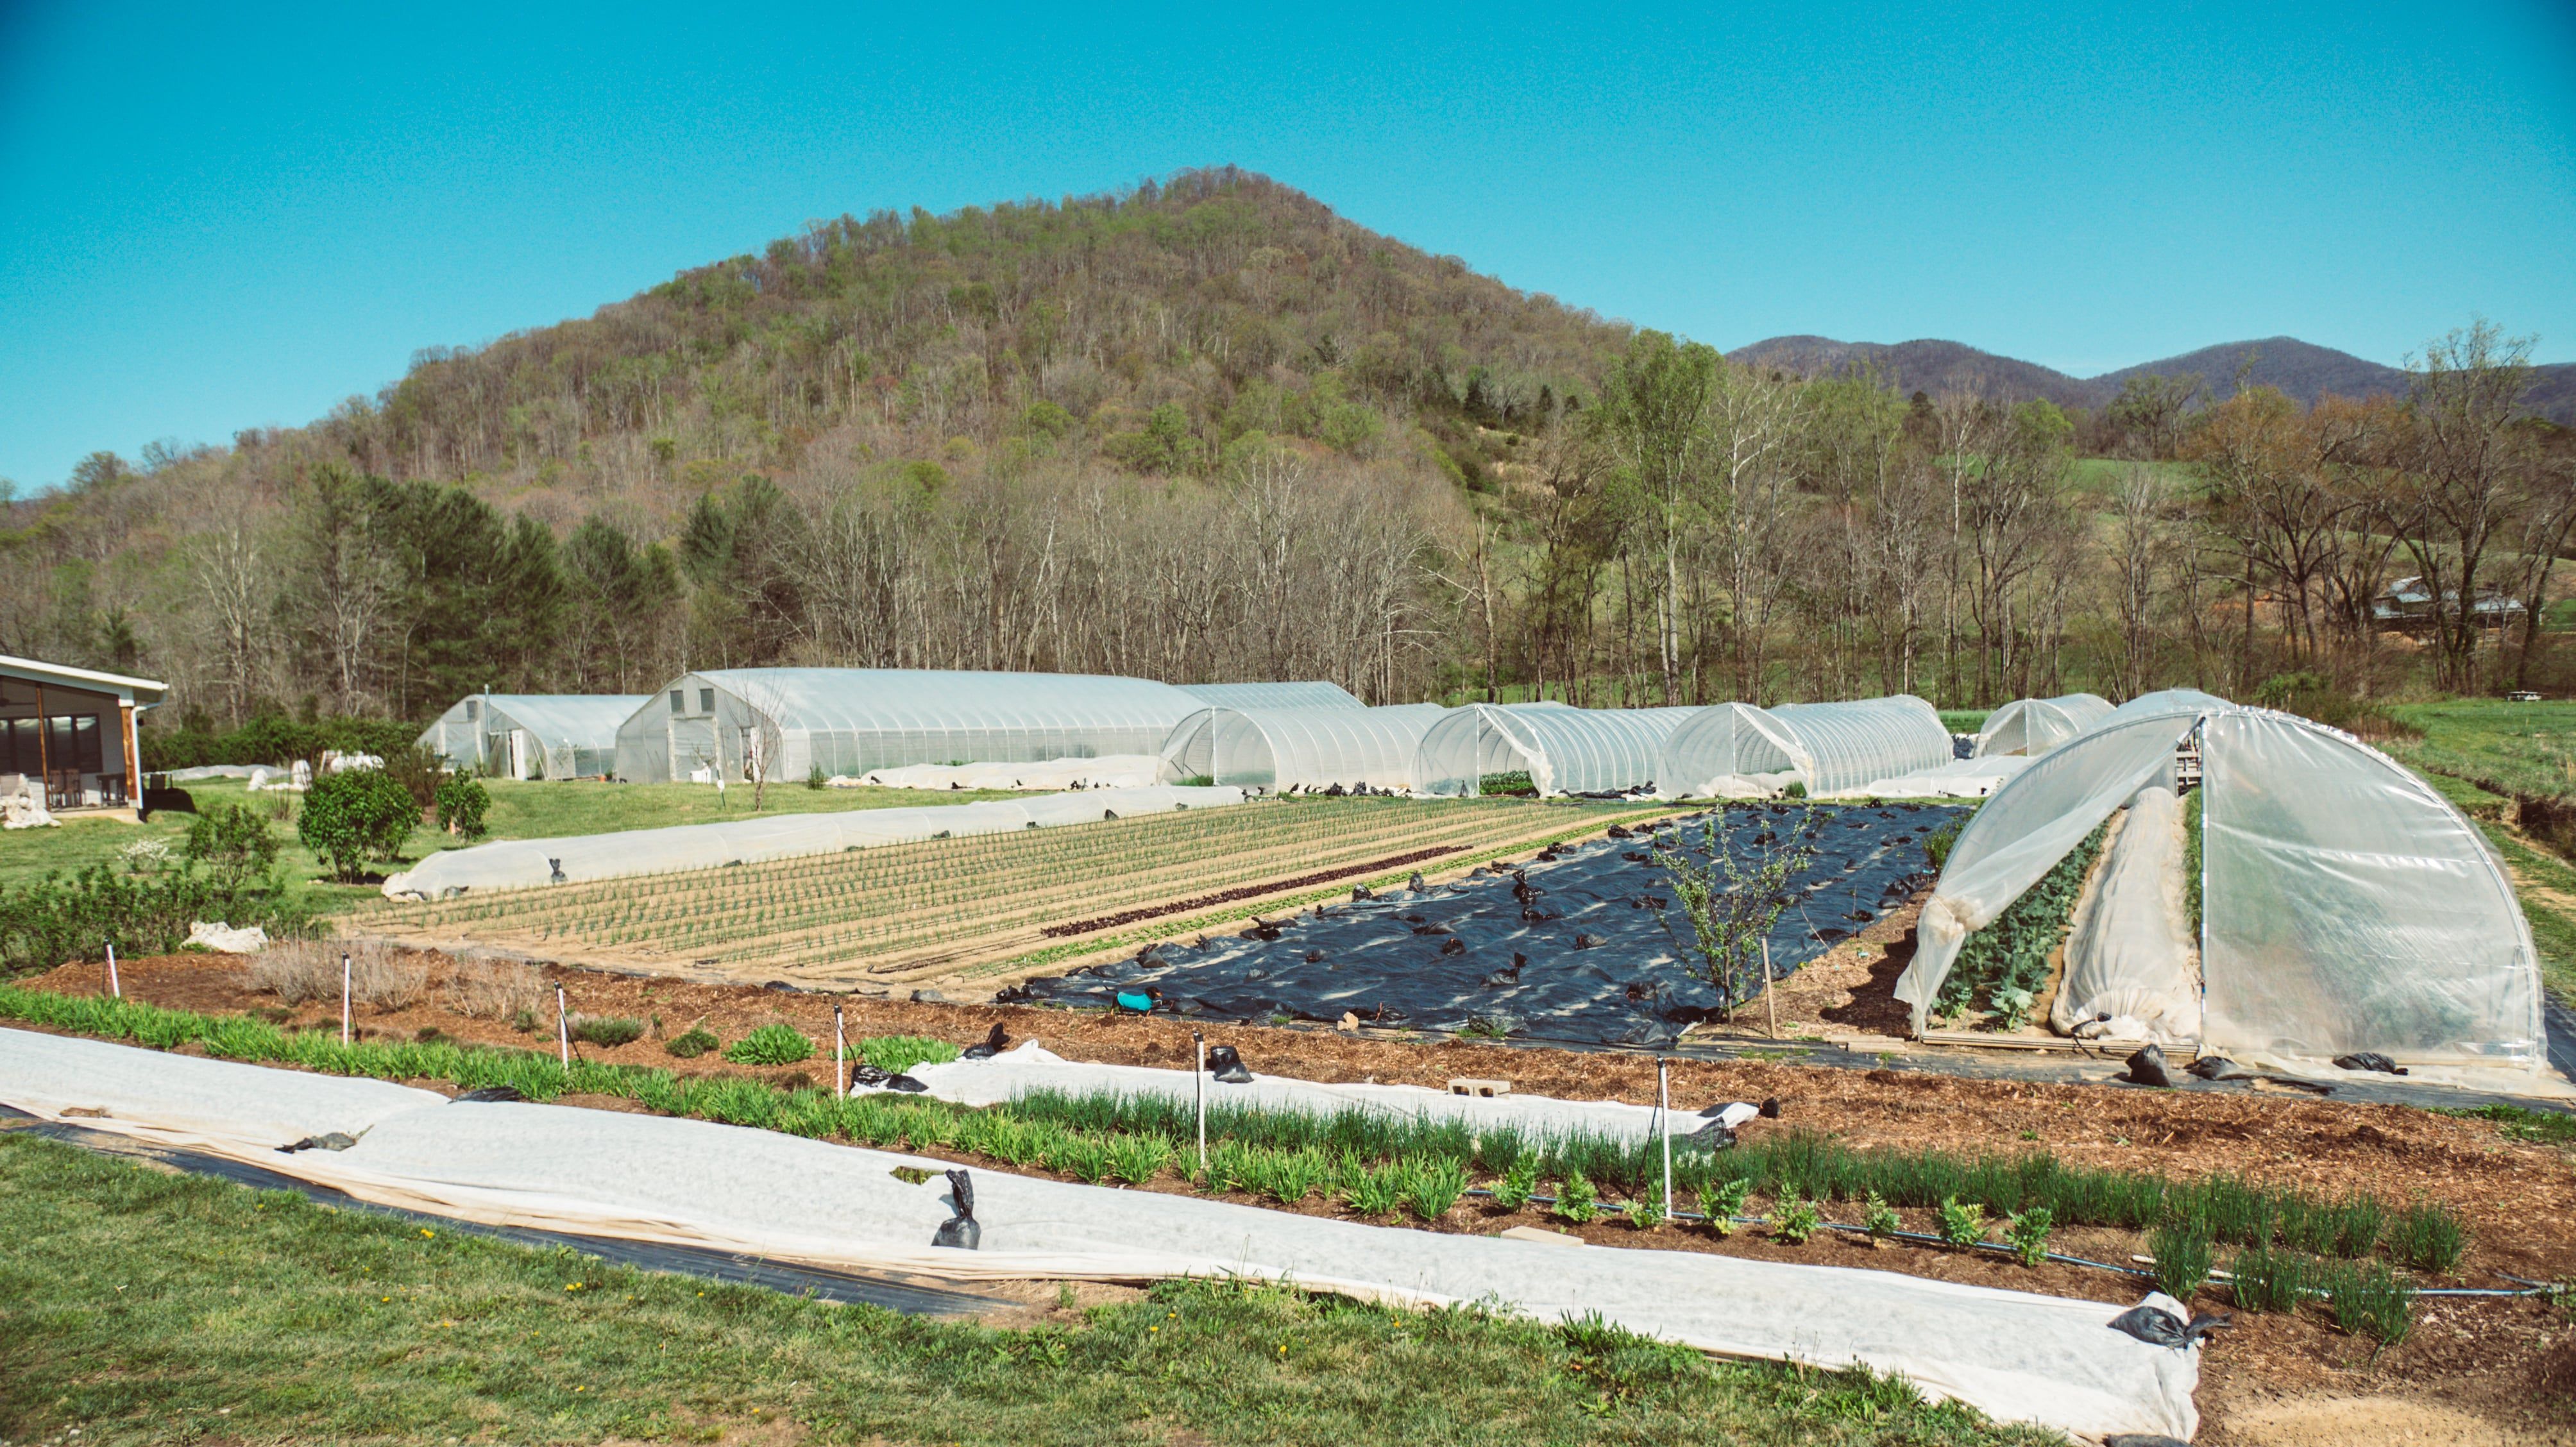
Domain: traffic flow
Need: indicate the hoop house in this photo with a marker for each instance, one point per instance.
(1734, 750)
(2032, 726)
(533, 735)
(1302, 748)
(851, 720)
(1563, 750)
(2163, 702)
(2346, 906)
(1272, 695)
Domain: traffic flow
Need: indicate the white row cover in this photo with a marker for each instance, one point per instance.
(1276, 749)
(1734, 750)
(1116, 771)
(528, 735)
(2131, 971)
(2346, 906)
(2053, 1361)
(2036, 725)
(532, 863)
(1563, 750)
(1955, 779)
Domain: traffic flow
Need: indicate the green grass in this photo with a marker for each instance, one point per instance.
(2537, 1127)
(1964, 720)
(2553, 929)
(2100, 477)
(257, 1316)
(2523, 748)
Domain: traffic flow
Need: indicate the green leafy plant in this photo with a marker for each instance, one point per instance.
(691, 1043)
(1793, 1219)
(2012, 952)
(1137, 1159)
(233, 844)
(1645, 1210)
(2027, 1231)
(1936, 845)
(1295, 1175)
(1879, 1217)
(1373, 1191)
(814, 777)
(899, 1053)
(607, 1031)
(772, 1044)
(1436, 1186)
(461, 805)
(354, 817)
(1518, 1183)
(1961, 1224)
(1735, 893)
(1722, 1201)
(1576, 1200)
(2181, 1250)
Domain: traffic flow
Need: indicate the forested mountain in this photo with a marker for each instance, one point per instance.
(1205, 429)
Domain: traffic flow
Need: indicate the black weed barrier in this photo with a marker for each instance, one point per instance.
(1582, 945)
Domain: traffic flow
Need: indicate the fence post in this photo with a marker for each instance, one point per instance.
(1664, 1126)
(1770, 1007)
(113, 987)
(840, 1073)
(563, 1027)
(1198, 1096)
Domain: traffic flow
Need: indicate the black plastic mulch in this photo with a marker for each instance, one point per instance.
(1594, 953)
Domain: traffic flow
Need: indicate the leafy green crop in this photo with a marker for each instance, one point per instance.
(2002, 967)
(770, 1045)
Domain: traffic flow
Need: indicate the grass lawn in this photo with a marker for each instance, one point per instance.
(140, 1306)
(520, 810)
(2524, 748)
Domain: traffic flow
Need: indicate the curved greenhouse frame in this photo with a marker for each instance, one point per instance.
(1271, 695)
(533, 735)
(2032, 726)
(2164, 702)
(851, 720)
(1563, 750)
(1734, 750)
(2346, 905)
(1309, 748)
(1731, 751)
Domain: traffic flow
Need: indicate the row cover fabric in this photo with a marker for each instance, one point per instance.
(1957, 779)
(1735, 750)
(852, 720)
(1031, 1067)
(1564, 750)
(2131, 970)
(531, 863)
(2036, 725)
(1117, 771)
(1272, 695)
(2021, 833)
(1278, 749)
(1596, 953)
(567, 735)
(2053, 1361)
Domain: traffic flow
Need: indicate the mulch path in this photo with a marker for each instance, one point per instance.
(2511, 1363)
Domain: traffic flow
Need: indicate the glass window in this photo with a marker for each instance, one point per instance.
(473, 709)
(676, 705)
(706, 700)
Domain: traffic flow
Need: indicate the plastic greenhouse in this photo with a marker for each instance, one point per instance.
(850, 720)
(2164, 701)
(1563, 750)
(2031, 726)
(533, 735)
(1276, 749)
(1734, 750)
(1272, 695)
(2345, 904)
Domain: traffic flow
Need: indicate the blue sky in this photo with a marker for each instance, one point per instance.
(213, 220)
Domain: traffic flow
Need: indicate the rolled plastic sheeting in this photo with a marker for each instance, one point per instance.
(2033, 726)
(2129, 956)
(527, 863)
(2350, 907)
(2053, 1361)
(2021, 833)
(1032, 1067)
(1117, 771)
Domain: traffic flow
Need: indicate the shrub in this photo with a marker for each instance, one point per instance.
(234, 846)
(417, 768)
(1793, 1219)
(815, 778)
(355, 816)
(494, 989)
(691, 1043)
(2028, 1233)
(461, 803)
(299, 970)
(2181, 1249)
(2427, 1238)
(899, 1053)
(1961, 1225)
(606, 1031)
(772, 1044)
(1576, 1201)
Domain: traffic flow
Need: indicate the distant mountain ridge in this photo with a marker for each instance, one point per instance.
(2302, 370)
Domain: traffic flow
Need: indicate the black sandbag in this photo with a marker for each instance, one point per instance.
(1638, 985)
(1227, 1065)
(2369, 1060)
(2147, 1067)
(2158, 1327)
(960, 1231)
(333, 1141)
(490, 1095)
(992, 1045)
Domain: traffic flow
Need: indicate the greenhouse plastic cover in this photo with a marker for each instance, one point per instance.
(1272, 695)
(2164, 702)
(2348, 906)
(578, 731)
(1390, 959)
(2054, 1361)
(1734, 750)
(1564, 750)
(2129, 955)
(1303, 748)
(1957, 779)
(1117, 771)
(1730, 751)
(527, 863)
(2021, 833)
(2036, 725)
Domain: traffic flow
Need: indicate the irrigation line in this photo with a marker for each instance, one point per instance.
(2528, 1288)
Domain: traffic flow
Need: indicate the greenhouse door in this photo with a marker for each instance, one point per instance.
(693, 747)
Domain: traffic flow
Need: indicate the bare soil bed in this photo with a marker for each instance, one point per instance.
(2504, 1369)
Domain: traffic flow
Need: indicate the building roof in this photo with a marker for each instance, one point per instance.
(139, 691)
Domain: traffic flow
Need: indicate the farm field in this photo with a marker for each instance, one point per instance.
(2512, 748)
(903, 913)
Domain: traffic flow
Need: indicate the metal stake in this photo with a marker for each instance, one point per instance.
(1770, 1007)
(344, 997)
(113, 987)
(1198, 1096)
(840, 1073)
(563, 1027)
(1664, 1126)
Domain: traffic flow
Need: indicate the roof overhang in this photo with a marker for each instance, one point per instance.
(140, 692)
